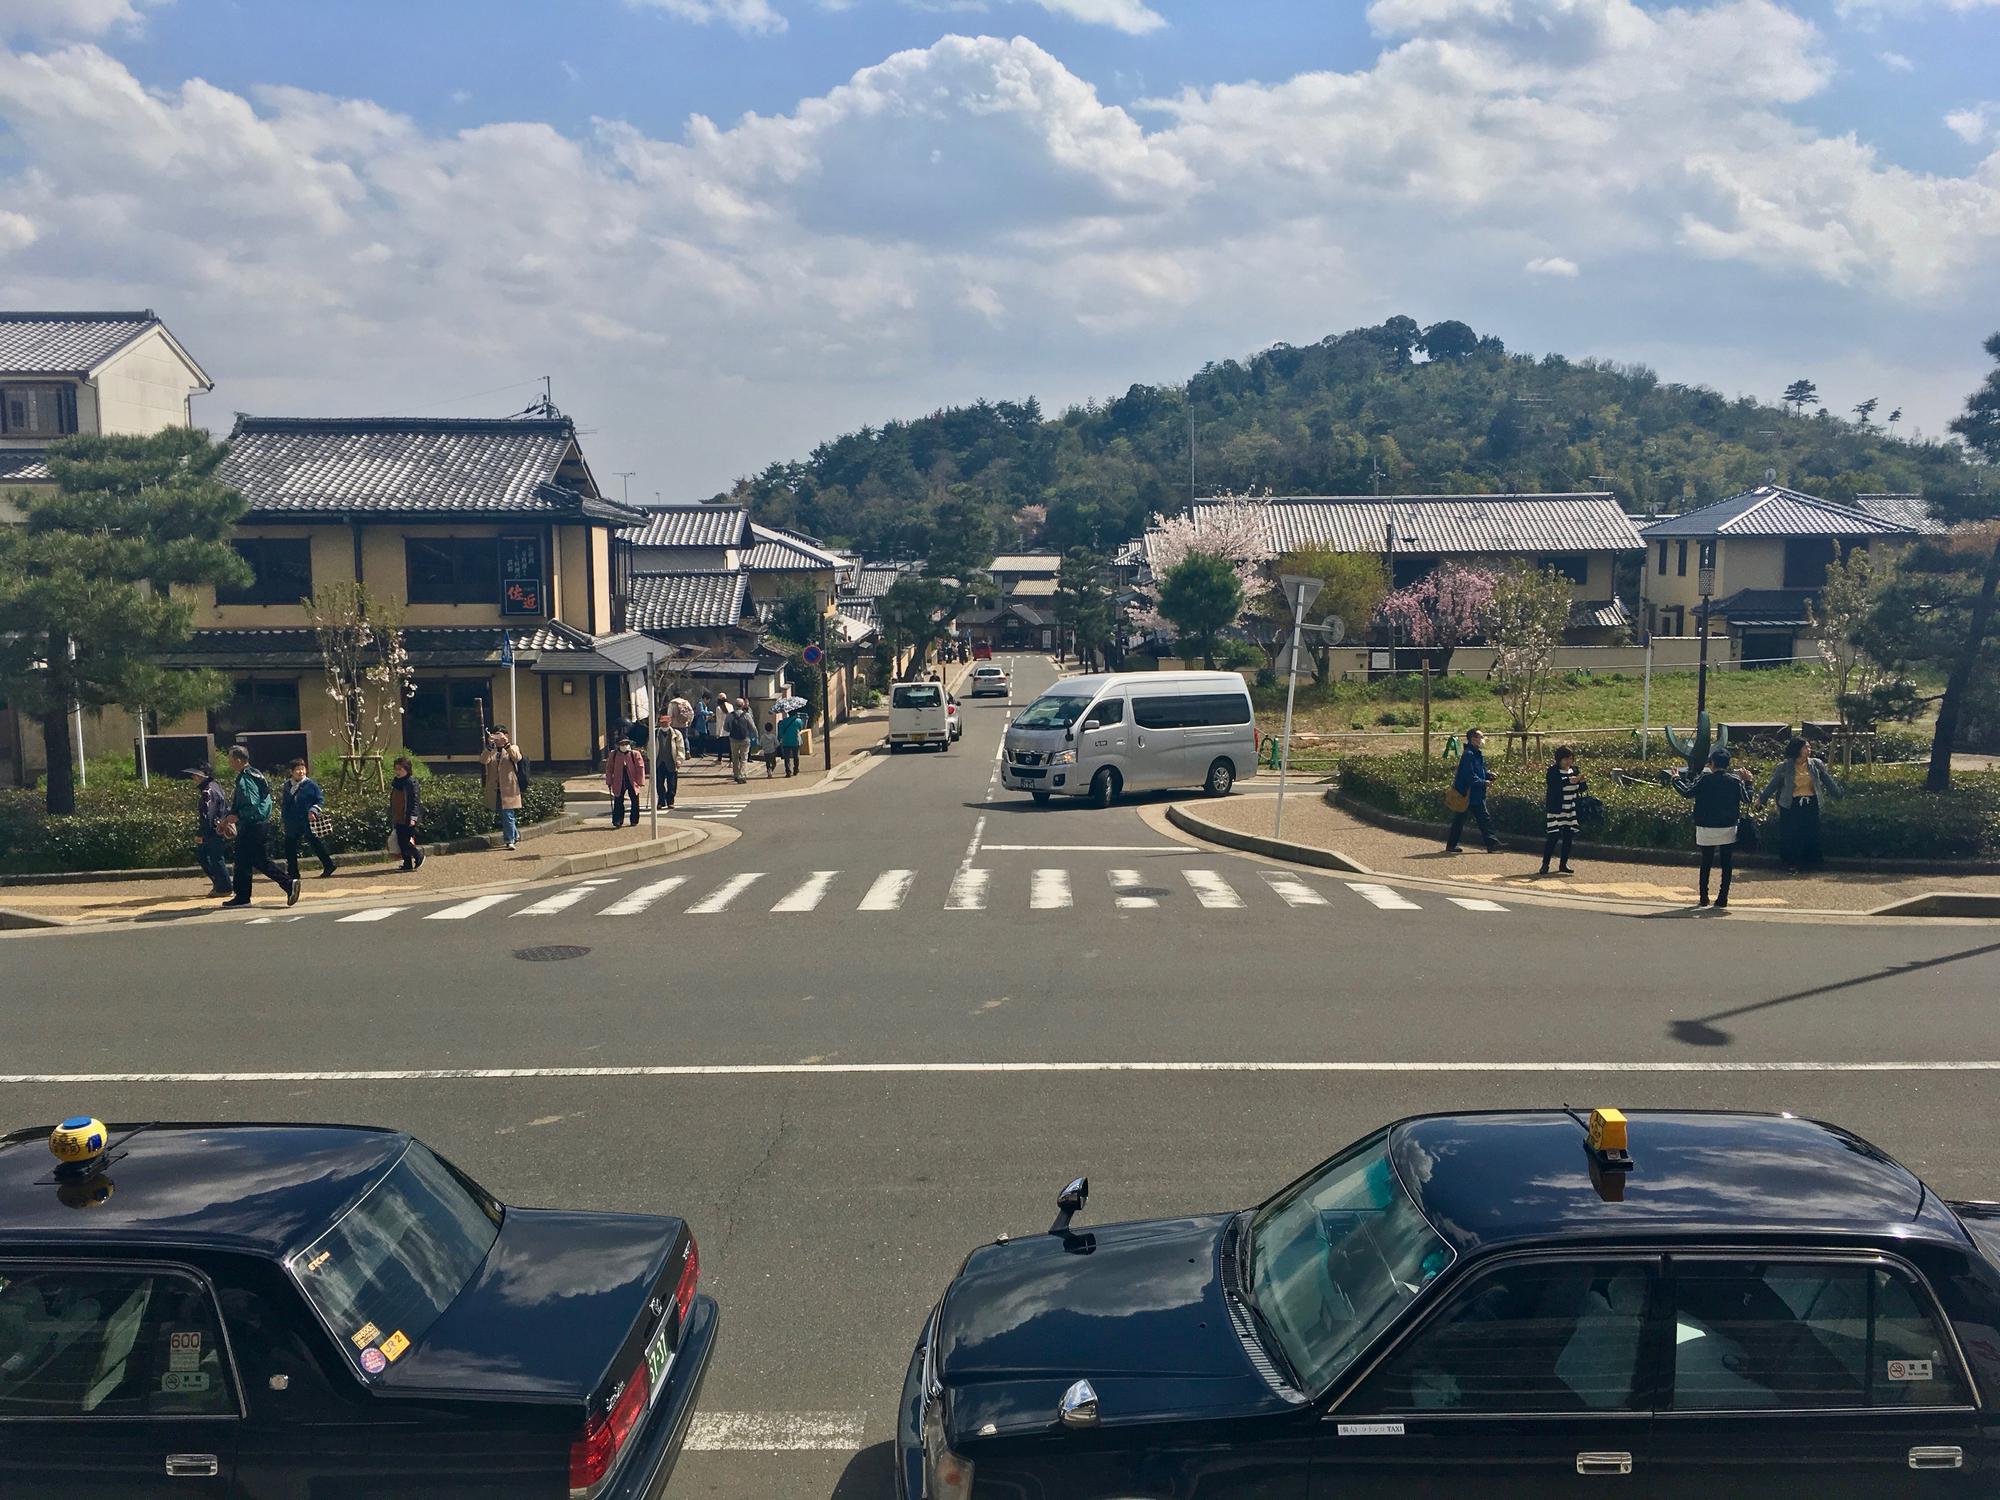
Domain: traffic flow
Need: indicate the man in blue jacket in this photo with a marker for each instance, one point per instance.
(1471, 783)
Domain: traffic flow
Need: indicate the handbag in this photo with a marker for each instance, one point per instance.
(1589, 811)
(1746, 832)
(1456, 801)
(320, 821)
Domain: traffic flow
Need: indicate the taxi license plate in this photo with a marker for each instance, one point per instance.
(659, 1360)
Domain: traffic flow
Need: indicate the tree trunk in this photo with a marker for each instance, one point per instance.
(61, 755)
(1938, 778)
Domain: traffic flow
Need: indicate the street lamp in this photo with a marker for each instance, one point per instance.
(1705, 586)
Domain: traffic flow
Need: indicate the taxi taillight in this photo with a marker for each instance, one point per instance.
(690, 1275)
(593, 1456)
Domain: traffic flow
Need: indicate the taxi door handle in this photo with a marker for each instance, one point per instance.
(1604, 1463)
(1937, 1458)
(193, 1465)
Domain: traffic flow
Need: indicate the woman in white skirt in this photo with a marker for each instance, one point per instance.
(1719, 796)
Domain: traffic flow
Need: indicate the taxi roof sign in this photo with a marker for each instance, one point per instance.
(1608, 1142)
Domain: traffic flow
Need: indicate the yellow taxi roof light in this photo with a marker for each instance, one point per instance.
(1607, 1130)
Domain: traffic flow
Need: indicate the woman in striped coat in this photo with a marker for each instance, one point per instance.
(1564, 786)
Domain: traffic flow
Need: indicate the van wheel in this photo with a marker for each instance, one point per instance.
(945, 747)
(1104, 787)
(1221, 777)
(1041, 798)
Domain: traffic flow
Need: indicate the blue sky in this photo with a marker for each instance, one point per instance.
(377, 206)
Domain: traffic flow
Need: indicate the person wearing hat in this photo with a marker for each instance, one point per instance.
(211, 852)
(249, 820)
(1719, 796)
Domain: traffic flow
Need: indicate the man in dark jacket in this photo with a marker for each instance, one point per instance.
(1471, 783)
(250, 811)
(211, 850)
(300, 796)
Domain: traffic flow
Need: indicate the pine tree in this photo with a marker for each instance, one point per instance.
(86, 583)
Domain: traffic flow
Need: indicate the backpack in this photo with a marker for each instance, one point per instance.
(255, 793)
(521, 777)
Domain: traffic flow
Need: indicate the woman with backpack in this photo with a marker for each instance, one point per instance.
(1719, 796)
(405, 808)
(248, 823)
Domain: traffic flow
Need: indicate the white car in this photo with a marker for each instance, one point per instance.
(918, 716)
(989, 678)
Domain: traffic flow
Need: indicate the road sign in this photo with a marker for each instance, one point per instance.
(1332, 628)
(1288, 665)
(1301, 589)
(812, 656)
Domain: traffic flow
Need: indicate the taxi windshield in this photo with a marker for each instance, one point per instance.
(1335, 1258)
(1053, 711)
(383, 1274)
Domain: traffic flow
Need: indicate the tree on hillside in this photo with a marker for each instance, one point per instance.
(1200, 596)
(1895, 416)
(86, 580)
(1525, 621)
(1083, 606)
(1442, 610)
(1799, 395)
(1355, 584)
(962, 546)
(1450, 339)
(1865, 410)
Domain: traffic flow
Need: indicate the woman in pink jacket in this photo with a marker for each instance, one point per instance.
(624, 774)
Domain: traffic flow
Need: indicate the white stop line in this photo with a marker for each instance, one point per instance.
(774, 1432)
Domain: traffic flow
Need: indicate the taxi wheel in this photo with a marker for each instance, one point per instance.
(1221, 777)
(1104, 787)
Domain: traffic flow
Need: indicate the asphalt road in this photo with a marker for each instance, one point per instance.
(846, 1094)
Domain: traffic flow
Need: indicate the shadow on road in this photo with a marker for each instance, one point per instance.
(1701, 1031)
(871, 1475)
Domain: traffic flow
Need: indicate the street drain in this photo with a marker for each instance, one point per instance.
(550, 953)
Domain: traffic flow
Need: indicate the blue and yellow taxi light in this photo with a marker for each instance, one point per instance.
(79, 1142)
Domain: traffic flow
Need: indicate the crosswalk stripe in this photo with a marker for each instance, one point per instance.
(634, 902)
(888, 891)
(1122, 882)
(470, 908)
(373, 914)
(1292, 890)
(719, 898)
(1212, 891)
(810, 893)
(1475, 903)
(1382, 896)
(562, 900)
(968, 890)
(1048, 890)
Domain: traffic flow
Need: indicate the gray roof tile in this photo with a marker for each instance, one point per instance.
(455, 645)
(691, 526)
(24, 466)
(1771, 510)
(1444, 525)
(775, 551)
(66, 343)
(686, 601)
(1902, 510)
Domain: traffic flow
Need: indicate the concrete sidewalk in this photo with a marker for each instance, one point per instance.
(1312, 821)
(706, 780)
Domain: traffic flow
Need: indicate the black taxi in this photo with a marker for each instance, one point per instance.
(278, 1312)
(1526, 1304)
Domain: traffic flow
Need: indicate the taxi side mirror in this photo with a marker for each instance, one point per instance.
(1069, 1203)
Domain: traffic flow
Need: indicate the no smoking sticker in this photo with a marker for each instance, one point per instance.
(1909, 1369)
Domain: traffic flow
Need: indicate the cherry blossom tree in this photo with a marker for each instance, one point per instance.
(1443, 610)
(1235, 528)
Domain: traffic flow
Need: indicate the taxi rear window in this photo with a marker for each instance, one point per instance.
(396, 1260)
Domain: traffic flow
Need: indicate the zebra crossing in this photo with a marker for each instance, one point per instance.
(968, 889)
(715, 812)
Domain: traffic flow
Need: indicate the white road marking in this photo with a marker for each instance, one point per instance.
(773, 1432)
(562, 900)
(470, 908)
(1048, 890)
(633, 902)
(1123, 882)
(1383, 896)
(888, 891)
(759, 1070)
(809, 894)
(1212, 891)
(1089, 849)
(373, 914)
(1293, 891)
(972, 849)
(719, 898)
(257, 922)
(1476, 903)
(968, 890)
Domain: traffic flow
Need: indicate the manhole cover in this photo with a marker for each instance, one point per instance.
(550, 953)
(1154, 891)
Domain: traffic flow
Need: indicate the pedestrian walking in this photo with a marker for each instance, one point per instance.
(406, 807)
(788, 742)
(306, 819)
(703, 726)
(738, 729)
(1564, 786)
(1468, 794)
(1798, 784)
(248, 822)
(211, 850)
(624, 774)
(767, 747)
(1719, 796)
(500, 767)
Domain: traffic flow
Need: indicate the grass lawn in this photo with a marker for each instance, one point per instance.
(1575, 701)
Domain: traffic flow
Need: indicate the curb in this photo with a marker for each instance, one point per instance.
(628, 854)
(563, 822)
(1253, 843)
(12, 920)
(1943, 904)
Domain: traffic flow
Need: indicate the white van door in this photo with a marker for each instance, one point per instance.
(1101, 741)
(1158, 755)
(1219, 727)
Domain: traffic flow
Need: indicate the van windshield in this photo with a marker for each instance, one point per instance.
(1053, 711)
(918, 695)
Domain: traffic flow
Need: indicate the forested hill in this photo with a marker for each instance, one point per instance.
(1436, 410)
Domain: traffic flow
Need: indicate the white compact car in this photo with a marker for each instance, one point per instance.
(989, 678)
(918, 716)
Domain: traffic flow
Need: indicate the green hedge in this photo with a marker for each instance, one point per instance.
(124, 826)
(1886, 813)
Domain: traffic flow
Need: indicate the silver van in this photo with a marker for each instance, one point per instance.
(1101, 735)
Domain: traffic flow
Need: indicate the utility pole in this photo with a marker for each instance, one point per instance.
(626, 475)
(1301, 590)
(1705, 578)
(653, 712)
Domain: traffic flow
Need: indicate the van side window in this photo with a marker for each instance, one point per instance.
(1158, 713)
(1212, 709)
(1105, 714)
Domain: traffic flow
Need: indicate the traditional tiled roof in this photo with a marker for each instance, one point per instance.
(1026, 613)
(686, 601)
(24, 466)
(1767, 608)
(1908, 511)
(74, 343)
(857, 609)
(429, 646)
(1027, 562)
(691, 526)
(1033, 588)
(775, 551)
(408, 466)
(1771, 510)
(1598, 614)
(729, 666)
(1446, 525)
(872, 581)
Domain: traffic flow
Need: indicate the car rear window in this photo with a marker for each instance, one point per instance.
(396, 1260)
(919, 695)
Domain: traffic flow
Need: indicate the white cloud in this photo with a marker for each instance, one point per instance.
(71, 18)
(971, 218)
(751, 16)
(1895, 62)
(1972, 125)
(1134, 17)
